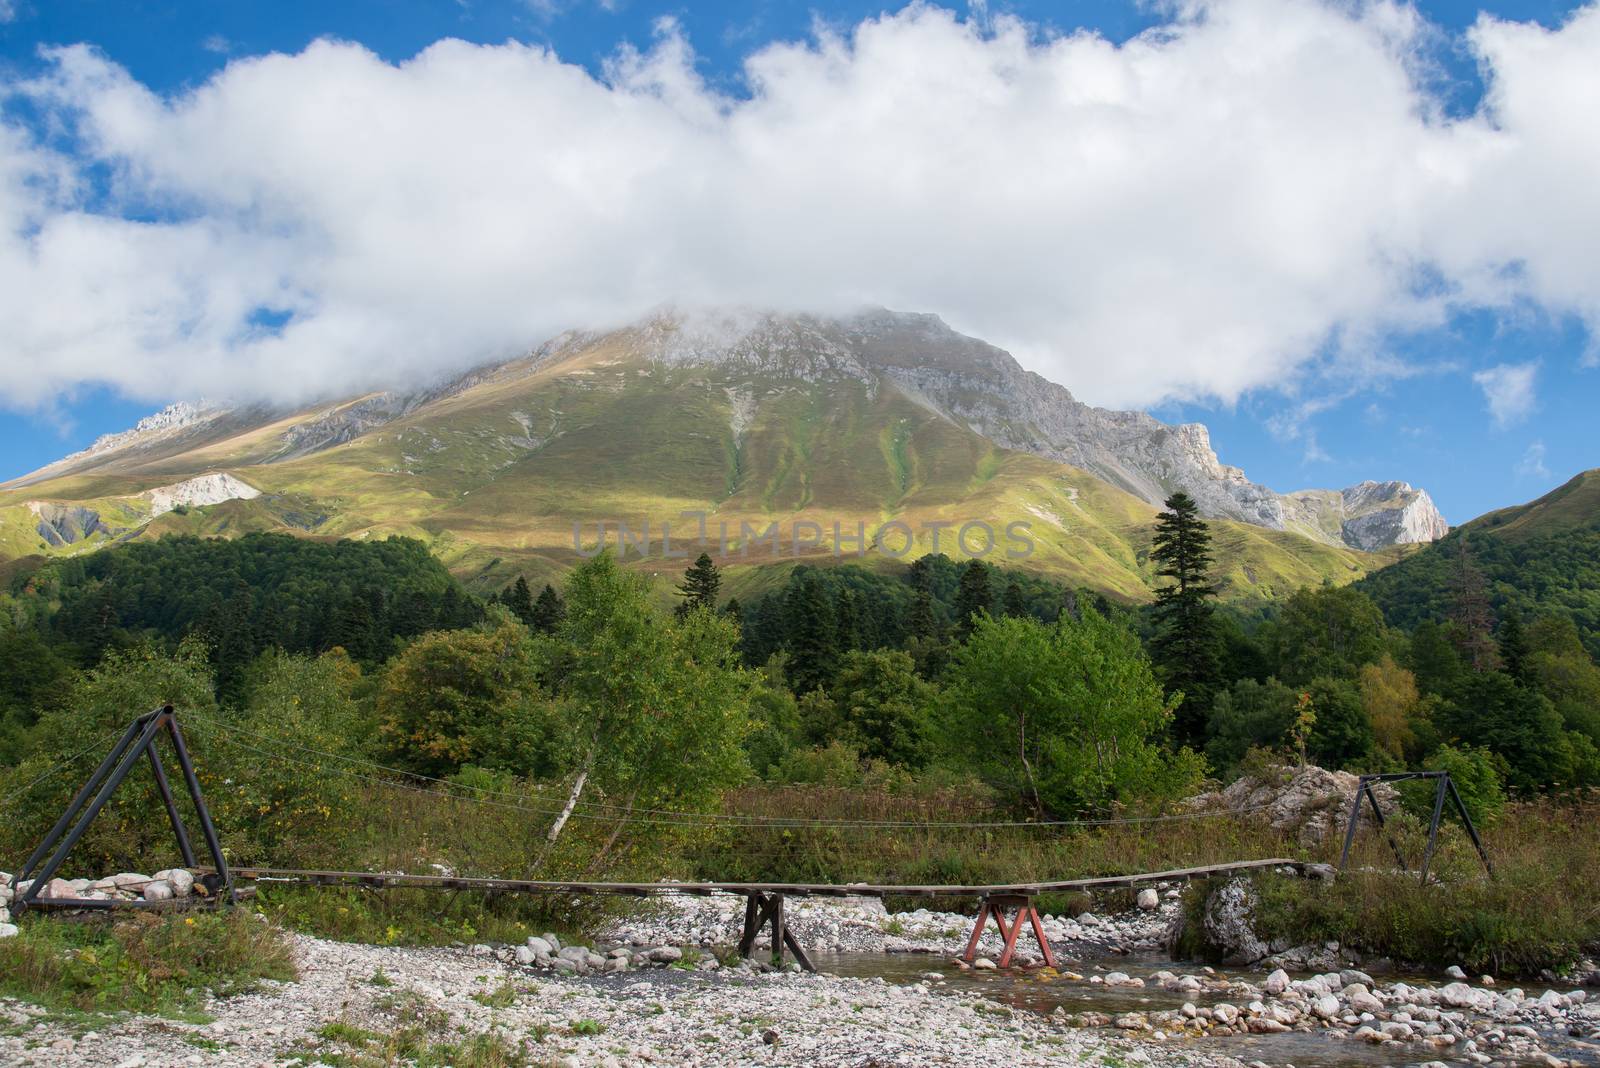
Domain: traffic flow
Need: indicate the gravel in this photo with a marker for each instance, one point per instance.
(660, 1016)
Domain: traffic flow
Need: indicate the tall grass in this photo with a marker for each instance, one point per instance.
(143, 963)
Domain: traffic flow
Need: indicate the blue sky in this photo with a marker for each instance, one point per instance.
(1317, 422)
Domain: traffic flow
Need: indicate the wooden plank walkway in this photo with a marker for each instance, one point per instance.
(539, 886)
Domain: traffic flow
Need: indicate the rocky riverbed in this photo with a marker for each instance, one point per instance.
(663, 1015)
(661, 986)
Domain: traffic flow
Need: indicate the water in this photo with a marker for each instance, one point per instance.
(1023, 990)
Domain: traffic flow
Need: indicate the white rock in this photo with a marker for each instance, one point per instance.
(1149, 900)
(1277, 982)
(1455, 972)
(539, 946)
(526, 956)
(158, 890)
(180, 879)
(1327, 1007)
(8, 930)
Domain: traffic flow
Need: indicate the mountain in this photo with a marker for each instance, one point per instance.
(748, 418)
(1537, 559)
(1574, 506)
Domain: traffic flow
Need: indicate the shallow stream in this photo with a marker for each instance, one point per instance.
(1023, 990)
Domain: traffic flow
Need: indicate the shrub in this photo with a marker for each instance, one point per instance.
(146, 963)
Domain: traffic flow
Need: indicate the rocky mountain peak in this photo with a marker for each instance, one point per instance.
(984, 388)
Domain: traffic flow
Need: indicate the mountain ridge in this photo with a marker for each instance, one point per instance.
(961, 378)
(790, 420)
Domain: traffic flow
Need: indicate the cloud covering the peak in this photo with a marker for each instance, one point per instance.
(1200, 211)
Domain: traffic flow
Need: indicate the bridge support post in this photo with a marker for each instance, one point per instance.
(138, 740)
(995, 905)
(763, 910)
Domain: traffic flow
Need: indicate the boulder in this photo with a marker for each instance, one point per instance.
(180, 879)
(552, 940)
(1149, 900)
(1228, 923)
(526, 956)
(1458, 996)
(666, 955)
(1365, 1002)
(1326, 1007)
(158, 890)
(8, 930)
(540, 947)
(1277, 982)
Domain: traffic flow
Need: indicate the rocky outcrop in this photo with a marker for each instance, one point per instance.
(1389, 513)
(213, 488)
(1228, 924)
(1310, 802)
(66, 524)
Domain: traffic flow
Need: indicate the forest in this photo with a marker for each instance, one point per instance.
(941, 672)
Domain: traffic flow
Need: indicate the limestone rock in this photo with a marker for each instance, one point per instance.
(1228, 925)
(1310, 801)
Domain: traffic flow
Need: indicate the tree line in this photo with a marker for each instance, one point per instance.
(1059, 700)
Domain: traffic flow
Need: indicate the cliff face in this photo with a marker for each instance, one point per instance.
(984, 388)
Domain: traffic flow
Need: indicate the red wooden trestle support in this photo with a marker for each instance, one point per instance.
(995, 905)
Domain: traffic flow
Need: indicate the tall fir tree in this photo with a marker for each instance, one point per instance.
(974, 597)
(519, 598)
(1515, 648)
(847, 621)
(1016, 605)
(1473, 614)
(810, 633)
(1186, 646)
(548, 610)
(701, 580)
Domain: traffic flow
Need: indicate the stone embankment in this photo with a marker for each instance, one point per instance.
(164, 885)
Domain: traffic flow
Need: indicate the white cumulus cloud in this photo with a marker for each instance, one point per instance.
(1509, 389)
(1203, 210)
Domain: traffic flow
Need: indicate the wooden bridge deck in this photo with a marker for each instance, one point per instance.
(538, 886)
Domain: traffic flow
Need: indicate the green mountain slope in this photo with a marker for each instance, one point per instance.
(1574, 506)
(1540, 558)
(496, 471)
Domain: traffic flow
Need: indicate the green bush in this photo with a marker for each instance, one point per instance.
(146, 963)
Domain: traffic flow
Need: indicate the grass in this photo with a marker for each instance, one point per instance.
(410, 917)
(145, 963)
(412, 1032)
(1539, 912)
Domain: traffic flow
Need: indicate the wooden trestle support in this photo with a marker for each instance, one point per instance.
(762, 910)
(996, 905)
